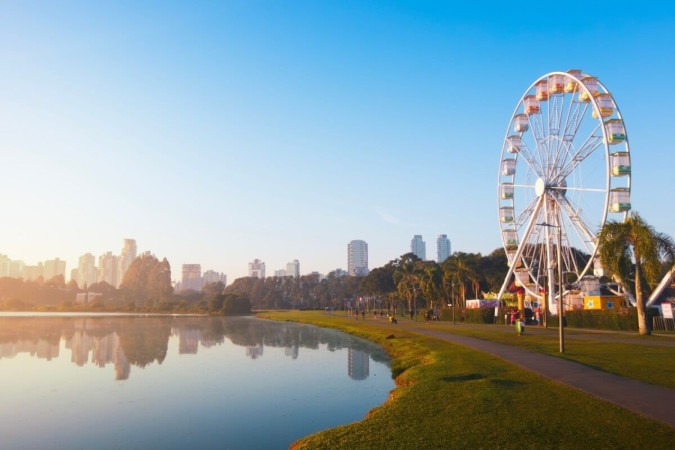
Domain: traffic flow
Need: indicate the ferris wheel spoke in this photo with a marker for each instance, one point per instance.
(569, 259)
(537, 123)
(527, 212)
(555, 106)
(534, 165)
(576, 222)
(587, 148)
(576, 112)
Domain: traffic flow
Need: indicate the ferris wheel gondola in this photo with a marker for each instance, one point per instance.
(565, 167)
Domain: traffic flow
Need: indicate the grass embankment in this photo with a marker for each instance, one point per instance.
(449, 396)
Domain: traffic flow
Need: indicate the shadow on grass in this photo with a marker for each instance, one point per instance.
(477, 376)
(466, 377)
(508, 383)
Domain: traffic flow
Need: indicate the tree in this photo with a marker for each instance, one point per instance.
(634, 246)
(432, 283)
(462, 269)
(159, 287)
(236, 305)
(407, 276)
(214, 295)
(379, 282)
(147, 282)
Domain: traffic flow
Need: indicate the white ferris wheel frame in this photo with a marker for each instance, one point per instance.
(561, 216)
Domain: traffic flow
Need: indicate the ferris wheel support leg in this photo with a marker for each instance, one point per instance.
(519, 252)
(506, 282)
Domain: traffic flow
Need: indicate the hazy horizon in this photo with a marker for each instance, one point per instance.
(218, 133)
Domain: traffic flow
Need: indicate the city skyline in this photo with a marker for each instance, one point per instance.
(219, 133)
(87, 270)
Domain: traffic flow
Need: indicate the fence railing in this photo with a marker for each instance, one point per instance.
(661, 323)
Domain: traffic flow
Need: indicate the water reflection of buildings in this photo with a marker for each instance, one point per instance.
(38, 349)
(104, 350)
(188, 341)
(126, 342)
(292, 351)
(254, 351)
(358, 365)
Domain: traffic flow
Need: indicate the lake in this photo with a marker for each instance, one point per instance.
(115, 381)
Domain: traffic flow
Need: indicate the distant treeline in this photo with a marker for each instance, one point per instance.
(405, 282)
(146, 288)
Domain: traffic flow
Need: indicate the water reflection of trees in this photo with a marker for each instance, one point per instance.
(143, 340)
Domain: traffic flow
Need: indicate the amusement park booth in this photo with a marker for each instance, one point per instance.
(481, 303)
(595, 298)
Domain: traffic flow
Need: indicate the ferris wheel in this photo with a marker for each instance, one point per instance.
(564, 167)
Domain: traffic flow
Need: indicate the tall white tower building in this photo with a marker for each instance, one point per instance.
(108, 269)
(54, 267)
(256, 269)
(86, 270)
(127, 257)
(211, 276)
(418, 247)
(357, 258)
(442, 248)
(293, 269)
(192, 277)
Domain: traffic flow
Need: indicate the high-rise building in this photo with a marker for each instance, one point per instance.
(127, 256)
(357, 258)
(418, 247)
(211, 276)
(293, 269)
(86, 271)
(192, 277)
(17, 269)
(54, 267)
(30, 272)
(442, 248)
(256, 269)
(108, 269)
(5, 266)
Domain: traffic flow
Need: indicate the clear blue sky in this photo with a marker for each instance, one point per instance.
(222, 131)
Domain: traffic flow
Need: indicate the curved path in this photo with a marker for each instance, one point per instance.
(655, 402)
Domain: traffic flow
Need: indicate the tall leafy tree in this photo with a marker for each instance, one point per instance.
(407, 277)
(431, 282)
(147, 282)
(463, 271)
(634, 248)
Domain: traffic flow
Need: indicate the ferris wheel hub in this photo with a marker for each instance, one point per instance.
(540, 187)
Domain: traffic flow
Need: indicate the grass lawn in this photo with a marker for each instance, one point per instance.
(641, 358)
(449, 397)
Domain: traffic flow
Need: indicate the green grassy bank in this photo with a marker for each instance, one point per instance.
(448, 396)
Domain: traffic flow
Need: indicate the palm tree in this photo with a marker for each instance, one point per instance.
(431, 283)
(635, 245)
(407, 278)
(462, 269)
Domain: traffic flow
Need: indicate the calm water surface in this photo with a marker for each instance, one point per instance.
(179, 382)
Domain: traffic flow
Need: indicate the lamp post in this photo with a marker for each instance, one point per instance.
(453, 302)
(561, 308)
(561, 287)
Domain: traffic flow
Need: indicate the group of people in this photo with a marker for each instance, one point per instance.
(514, 317)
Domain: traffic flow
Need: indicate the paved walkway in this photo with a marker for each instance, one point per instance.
(655, 402)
